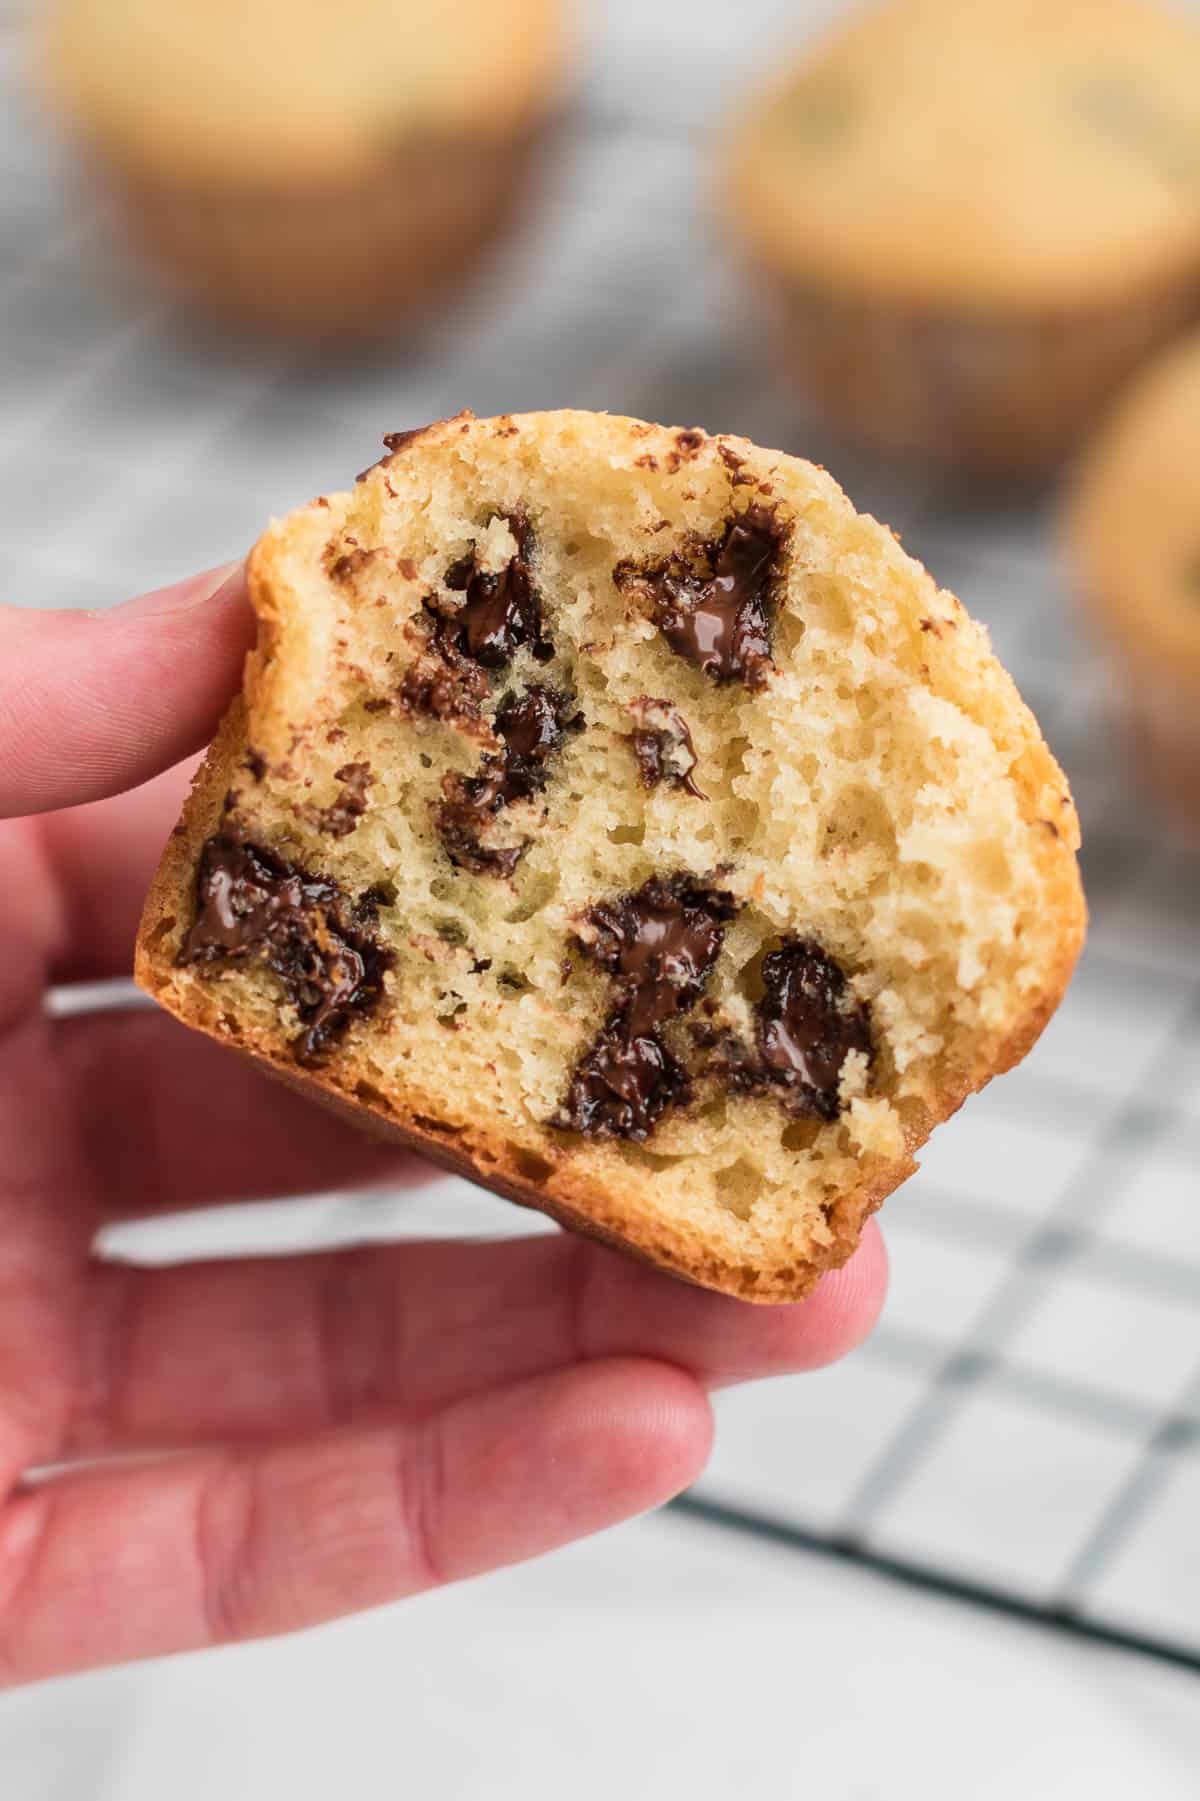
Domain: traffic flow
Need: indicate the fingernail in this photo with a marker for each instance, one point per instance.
(180, 597)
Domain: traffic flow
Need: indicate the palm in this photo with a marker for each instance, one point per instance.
(270, 1443)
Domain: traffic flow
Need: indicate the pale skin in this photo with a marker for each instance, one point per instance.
(245, 1448)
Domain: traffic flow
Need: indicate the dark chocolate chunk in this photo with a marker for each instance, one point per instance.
(500, 615)
(442, 682)
(338, 820)
(502, 611)
(461, 819)
(531, 727)
(622, 1086)
(714, 604)
(806, 1025)
(460, 572)
(660, 944)
(662, 745)
(255, 762)
(308, 931)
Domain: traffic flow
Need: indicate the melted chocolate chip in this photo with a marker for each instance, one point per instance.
(807, 1024)
(442, 682)
(623, 1086)
(338, 820)
(502, 611)
(306, 929)
(660, 944)
(531, 727)
(662, 745)
(500, 615)
(255, 763)
(714, 605)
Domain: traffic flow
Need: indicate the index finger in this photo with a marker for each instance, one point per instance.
(94, 703)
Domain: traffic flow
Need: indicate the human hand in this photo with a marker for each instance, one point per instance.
(314, 1434)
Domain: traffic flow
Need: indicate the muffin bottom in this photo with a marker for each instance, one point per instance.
(358, 258)
(982, 398)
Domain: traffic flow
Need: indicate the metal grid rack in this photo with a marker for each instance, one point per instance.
(1024, 1429)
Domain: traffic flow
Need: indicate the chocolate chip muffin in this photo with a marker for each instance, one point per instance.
(972, 221)
(308, 168)
(621, 819)
(1132, 523)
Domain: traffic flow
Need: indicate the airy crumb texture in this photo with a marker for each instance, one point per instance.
(620, 818)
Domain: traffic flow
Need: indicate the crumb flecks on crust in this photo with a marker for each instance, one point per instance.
(397, 441)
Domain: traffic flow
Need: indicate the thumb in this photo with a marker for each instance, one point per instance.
(94, 703)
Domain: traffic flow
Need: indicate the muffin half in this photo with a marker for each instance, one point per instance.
(619, 818)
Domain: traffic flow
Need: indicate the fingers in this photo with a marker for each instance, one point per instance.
(167, 1119)
(205, 1353)
(94, 703)
(216, 1547)
(99, 861)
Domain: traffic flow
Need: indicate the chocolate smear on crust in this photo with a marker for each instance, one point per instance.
(320, 943)
(395, 441)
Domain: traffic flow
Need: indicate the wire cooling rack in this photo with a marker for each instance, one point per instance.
(1023, 1432)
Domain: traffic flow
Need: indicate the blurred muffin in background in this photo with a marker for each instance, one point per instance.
(974, 218)
(1133, 538)
(303, 166)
